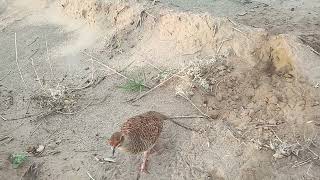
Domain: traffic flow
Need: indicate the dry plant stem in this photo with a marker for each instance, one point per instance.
(313, 50)
(33, 41)
(185, 97)
(16, 49)
(34, 53)
(19, 118)
(90, 150)
(239, 31)
(302, 163)
(5, 75)
(160, 84)
(183, 126)
(108, 67)
(276, 135)
(35, 71)
(177, 117)
(221, 44)
(153, 66)
(3, 118)
(35, 129)
(90, 176)
(232, 22)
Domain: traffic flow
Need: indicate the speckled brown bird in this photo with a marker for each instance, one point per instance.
(139, 134)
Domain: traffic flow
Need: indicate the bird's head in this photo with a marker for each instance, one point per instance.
(116, 141)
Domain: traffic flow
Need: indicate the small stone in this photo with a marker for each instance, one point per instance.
(40, 149)
(58, 141)
(278, 156)
(315, 103)
(214, 114)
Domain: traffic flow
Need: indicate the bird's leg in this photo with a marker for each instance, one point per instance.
(143, 167)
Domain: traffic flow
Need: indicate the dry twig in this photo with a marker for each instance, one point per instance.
(6, 75)
(18, 118)
(221, 44)
(90, 176)
(188, 99)
(36, 73)
(108, 67)
(160, 84)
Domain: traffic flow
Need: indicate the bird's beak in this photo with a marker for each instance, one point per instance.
(113, 150)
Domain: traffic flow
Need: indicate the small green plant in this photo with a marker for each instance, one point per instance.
(17, 159)
(133, 86)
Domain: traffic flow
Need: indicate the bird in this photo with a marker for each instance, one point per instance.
(139, 134)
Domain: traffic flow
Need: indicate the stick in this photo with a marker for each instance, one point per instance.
(240, 31)
(302, 163)
(222, 45)
(177, 117)
(15, 45)
(111, 69)
(18, 118)
(35, 71)
(232, 22)
(36, 128)
(183, 126)
(5, 75)
(90, 176)
(89, 150)
(34, 53)
(313, 50)
(276, 135)
(33, 41)
(185, 97)
(160, 84)
(3, 118)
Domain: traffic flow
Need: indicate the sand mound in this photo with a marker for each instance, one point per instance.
(199, 33)
(258, 87)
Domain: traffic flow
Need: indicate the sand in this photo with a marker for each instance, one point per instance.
(251, 66)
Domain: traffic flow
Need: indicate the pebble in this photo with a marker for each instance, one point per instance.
(58, 141)
(214, 114)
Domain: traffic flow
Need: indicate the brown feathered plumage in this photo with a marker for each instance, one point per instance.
(142, 131)
(139, 134)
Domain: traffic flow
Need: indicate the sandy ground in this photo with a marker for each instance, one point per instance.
(263, 108)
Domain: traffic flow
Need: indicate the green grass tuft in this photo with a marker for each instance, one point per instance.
(133, 86)
(17, 159)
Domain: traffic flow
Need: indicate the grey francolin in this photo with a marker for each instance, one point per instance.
(139, 134)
